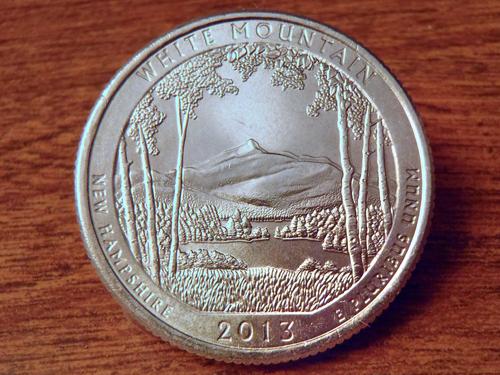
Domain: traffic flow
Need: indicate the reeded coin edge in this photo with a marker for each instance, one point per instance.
(242, 355)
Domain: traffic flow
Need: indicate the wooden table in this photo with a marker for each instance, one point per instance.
(55, 315)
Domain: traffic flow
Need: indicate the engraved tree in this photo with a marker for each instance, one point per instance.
(142, 128)
(363, 184)
(382, 140)
(187, 84)
(337, 93)
(127, 200)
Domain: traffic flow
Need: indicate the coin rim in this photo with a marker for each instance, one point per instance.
(249, 355)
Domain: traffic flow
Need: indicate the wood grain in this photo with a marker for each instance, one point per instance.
(55, 315)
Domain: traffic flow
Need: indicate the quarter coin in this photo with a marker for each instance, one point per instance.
(254, 187)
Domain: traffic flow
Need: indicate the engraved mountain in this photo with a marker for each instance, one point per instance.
(260, 183)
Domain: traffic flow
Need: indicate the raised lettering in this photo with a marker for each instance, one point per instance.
(412, 196)
(366, 74)
(163, 58)
(263, 30)
(99, 179)
(156, 305)
(225, 331)
(117, 257)
(413, 174)
(339, 55)
(323, 45)
(125, 268)
(306, 37)
(105, 229)
(286, 333)
(99, 198)
(238, 30)
(166, 311)
(354, 61)
(191, 41)
(207, 36)
(133, 279)
(147, 72)
(289, 34)
(178, 49)
(267, 333)
(245, 331)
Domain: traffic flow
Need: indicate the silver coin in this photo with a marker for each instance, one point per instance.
(254, 187)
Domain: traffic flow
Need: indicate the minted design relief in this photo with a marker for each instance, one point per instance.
(162, 214)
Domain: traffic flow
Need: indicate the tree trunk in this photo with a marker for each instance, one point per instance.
(382, 181)
(347, 201)
(149, 201)
(128, 203)
(182, 124)
(363, 181)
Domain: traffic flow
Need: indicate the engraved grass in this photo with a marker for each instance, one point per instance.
(261, 289)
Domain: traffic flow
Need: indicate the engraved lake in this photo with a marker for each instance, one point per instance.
(273, 252)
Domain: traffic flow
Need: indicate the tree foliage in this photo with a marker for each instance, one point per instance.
(330, 81)
(148, 117)
(288, 64)
(190, 80)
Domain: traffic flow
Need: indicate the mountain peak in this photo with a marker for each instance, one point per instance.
(251, 145)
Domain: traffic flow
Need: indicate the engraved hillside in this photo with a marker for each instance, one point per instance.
(260, 183)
